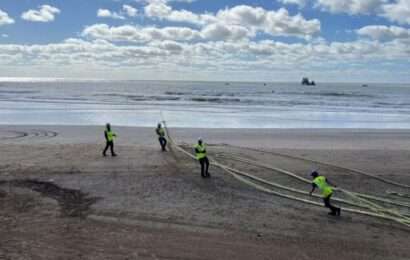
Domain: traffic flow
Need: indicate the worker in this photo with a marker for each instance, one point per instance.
(200, 152)
(325, 187)
(161, 137)
(109, 138)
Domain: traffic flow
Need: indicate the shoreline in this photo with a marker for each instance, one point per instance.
(210, 128)
(325, 139)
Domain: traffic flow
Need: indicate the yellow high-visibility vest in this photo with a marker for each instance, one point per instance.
(110, 135)
(160, 132)
(323, 186)
(200, 151)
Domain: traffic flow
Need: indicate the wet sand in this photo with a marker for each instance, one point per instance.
(60, 199)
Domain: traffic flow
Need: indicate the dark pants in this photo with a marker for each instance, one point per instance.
(163, 142)
(204, 167)
(109, 144)
(333, 210)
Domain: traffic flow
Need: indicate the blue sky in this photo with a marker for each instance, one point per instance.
(329, 40)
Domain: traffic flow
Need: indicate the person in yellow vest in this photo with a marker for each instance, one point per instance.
(161, 137)
(109, 138)
(200, 152)
(325, 187)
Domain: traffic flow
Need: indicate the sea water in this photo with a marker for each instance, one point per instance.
(205, 104)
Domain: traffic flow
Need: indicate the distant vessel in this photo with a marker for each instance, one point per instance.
(364, 85)
(306, 82)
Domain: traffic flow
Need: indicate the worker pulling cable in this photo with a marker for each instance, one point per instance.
(401, 185)
(302, 179)
(386, 214)
(201, 156)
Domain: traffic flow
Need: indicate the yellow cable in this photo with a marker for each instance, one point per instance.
(399, 218)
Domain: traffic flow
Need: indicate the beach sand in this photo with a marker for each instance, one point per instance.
(61, 199)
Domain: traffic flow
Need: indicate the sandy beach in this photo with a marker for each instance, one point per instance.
(61, 199)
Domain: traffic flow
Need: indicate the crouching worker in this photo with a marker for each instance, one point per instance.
(161, 137)
(325, 187)
(109, 138)
(200, 152)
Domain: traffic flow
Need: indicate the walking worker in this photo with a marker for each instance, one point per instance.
(325, 187)
(109, 138)
(161, 137)
(200, 152)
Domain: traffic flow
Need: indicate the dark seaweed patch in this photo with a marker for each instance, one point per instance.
(73, 203)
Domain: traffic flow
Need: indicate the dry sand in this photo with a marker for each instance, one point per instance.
(60, 199)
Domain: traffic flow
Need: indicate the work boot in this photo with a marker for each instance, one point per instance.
(114, 154)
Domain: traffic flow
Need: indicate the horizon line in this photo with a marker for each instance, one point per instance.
(60, 79)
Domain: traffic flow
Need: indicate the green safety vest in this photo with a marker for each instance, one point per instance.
(323, 186)
(161, 132)
(110, 135)
(200, 151)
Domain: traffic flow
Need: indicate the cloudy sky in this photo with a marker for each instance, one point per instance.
(265, 40)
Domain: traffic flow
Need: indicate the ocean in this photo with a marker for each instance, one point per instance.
(205, 104)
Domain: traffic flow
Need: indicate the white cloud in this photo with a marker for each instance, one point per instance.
(127, 10)
(121, 33)
(132, 33)
(220, 59)
(394, 10)
(211, 53)
(130, 11)
(182, 1)
(238, 23)
(171, 47)
(46, 13)
(165, 1)
(157, 9)
(105, 13)
(300, 3)
(171, 33)
(253, 19)
(350, 6)
(399, 11)
(222, 32)
(271, 22)
(5, 18)
(220, 44)
(381, 32)
(4, 35)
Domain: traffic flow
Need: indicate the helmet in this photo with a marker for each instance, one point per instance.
(314, 174)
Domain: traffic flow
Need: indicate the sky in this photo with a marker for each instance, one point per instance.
(220, 40)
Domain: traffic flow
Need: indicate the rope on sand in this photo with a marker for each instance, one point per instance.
(401, 185)
(240, 177)
(360, 202)
(276, 169)
(398, 194)
(380, 212)
(363, 204)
